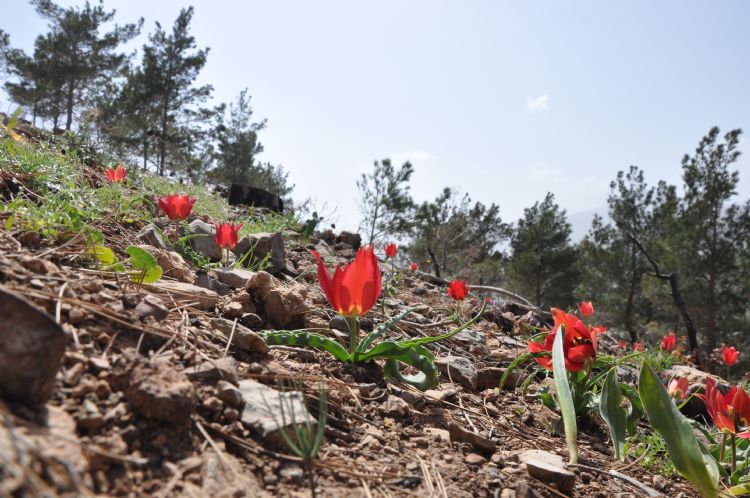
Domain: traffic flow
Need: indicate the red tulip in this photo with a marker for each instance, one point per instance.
(117, 174)
(622, 344)
(678, 388)
(638, 346)
(355, 289)
(668, 343)
(458, 290)
(414, 267)
(586, 308)
(728, 410)
(579, 346)
(226, 235)
(390, 250)
(177, 207)
(730, 355)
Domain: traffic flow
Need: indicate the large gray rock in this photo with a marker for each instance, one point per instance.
(263, 244)
(149, 235)
(31, 349)
(262, 412)
(205, 245)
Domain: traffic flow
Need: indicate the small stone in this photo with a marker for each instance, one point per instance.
(211, 370)
(174, 266)
(436, 397)
(458, 433)
(459, 369)
(149, 235)
(243, 338)
(438, 434)
(548, 468)
(204, 281)
(292, 472)
(184, 293)
(158, 391)
(396, 407)
(73, 375)
(102, 390)
(229, 393)
(76, 316)
(471, 336)
(99, 364)
(213, 404)
(151, 306)
(660, 482)
(231, 414)
(236, 278)
(262, 408)
(474, 459)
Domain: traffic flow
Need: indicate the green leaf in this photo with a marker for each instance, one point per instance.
(611, 410)
(635, 411)
(152, 275)
(427, 378)
(104, 254)
(427, 340)
(564, 396)
(9, 223)
(304, 338)
(687, 455)
(368, 340)
(140, 259)
(740, 489)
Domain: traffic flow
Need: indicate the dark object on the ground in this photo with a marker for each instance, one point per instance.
(252, 196)
(31, 349)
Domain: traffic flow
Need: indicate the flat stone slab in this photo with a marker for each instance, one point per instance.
(184, 293)
(548, 468)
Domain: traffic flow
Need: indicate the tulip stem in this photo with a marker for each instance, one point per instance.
(723, 445)
(353, 333)
(734, 453)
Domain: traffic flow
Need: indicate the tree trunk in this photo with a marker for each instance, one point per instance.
(69, 105)
(435, 264)
(145, 150)
(711, 332)
(631, 295)
(679, 303)
(677, 299)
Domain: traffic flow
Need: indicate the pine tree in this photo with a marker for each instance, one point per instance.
(457, 237)
(385, 201)
(82, 57)
(542, 264)
(709, 223)
(171, 64)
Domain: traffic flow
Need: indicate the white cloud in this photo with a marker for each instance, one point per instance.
(543, 171)
(413, 156)
(535, 104)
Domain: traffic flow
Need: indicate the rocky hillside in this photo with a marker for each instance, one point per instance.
(116, 388)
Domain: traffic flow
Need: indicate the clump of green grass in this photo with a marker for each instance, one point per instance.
(60, 197)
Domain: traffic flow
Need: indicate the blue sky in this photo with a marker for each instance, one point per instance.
(503, 100)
